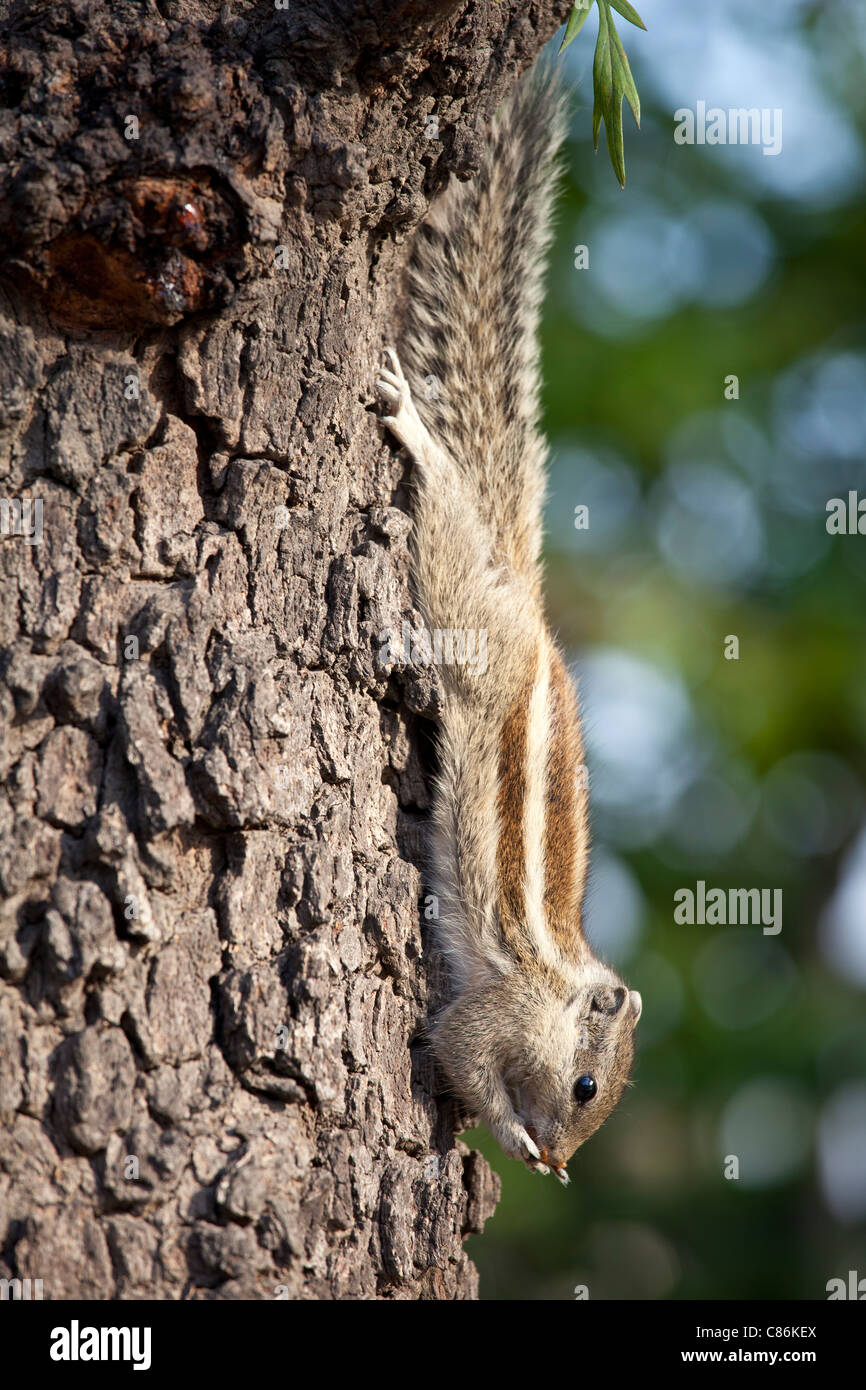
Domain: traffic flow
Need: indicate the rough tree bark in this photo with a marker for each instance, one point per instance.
(214, 980)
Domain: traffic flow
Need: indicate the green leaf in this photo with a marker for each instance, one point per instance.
(623, 80)
(612, 81)
(576, 20)
(611, 75)
(602, 75)
(608, 93)
(628, 12)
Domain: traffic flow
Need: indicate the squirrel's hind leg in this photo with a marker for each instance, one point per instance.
(459, 582)
(405, 423)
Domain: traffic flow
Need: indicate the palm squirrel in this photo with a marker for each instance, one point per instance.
(538, 1040)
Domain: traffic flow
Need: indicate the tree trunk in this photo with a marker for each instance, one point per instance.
(213, 948)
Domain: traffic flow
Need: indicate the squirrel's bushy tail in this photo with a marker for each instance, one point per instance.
(470, 339)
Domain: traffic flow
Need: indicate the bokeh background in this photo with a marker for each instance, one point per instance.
(708, 519)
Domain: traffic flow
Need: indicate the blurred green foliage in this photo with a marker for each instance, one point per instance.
(649, 1212)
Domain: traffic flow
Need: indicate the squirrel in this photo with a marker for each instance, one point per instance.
(538, 1038)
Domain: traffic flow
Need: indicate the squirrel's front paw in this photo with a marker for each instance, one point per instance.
(515, 1142)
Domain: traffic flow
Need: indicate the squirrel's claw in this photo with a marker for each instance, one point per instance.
(529, 1144)
(391, 385)
(394, 362)
(513, 1139)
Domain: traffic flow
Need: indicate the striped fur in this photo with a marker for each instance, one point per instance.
(533, 1008)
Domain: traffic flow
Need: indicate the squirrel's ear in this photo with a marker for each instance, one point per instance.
(636, 1004)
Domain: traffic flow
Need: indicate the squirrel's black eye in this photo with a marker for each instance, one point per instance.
(584, 1089)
